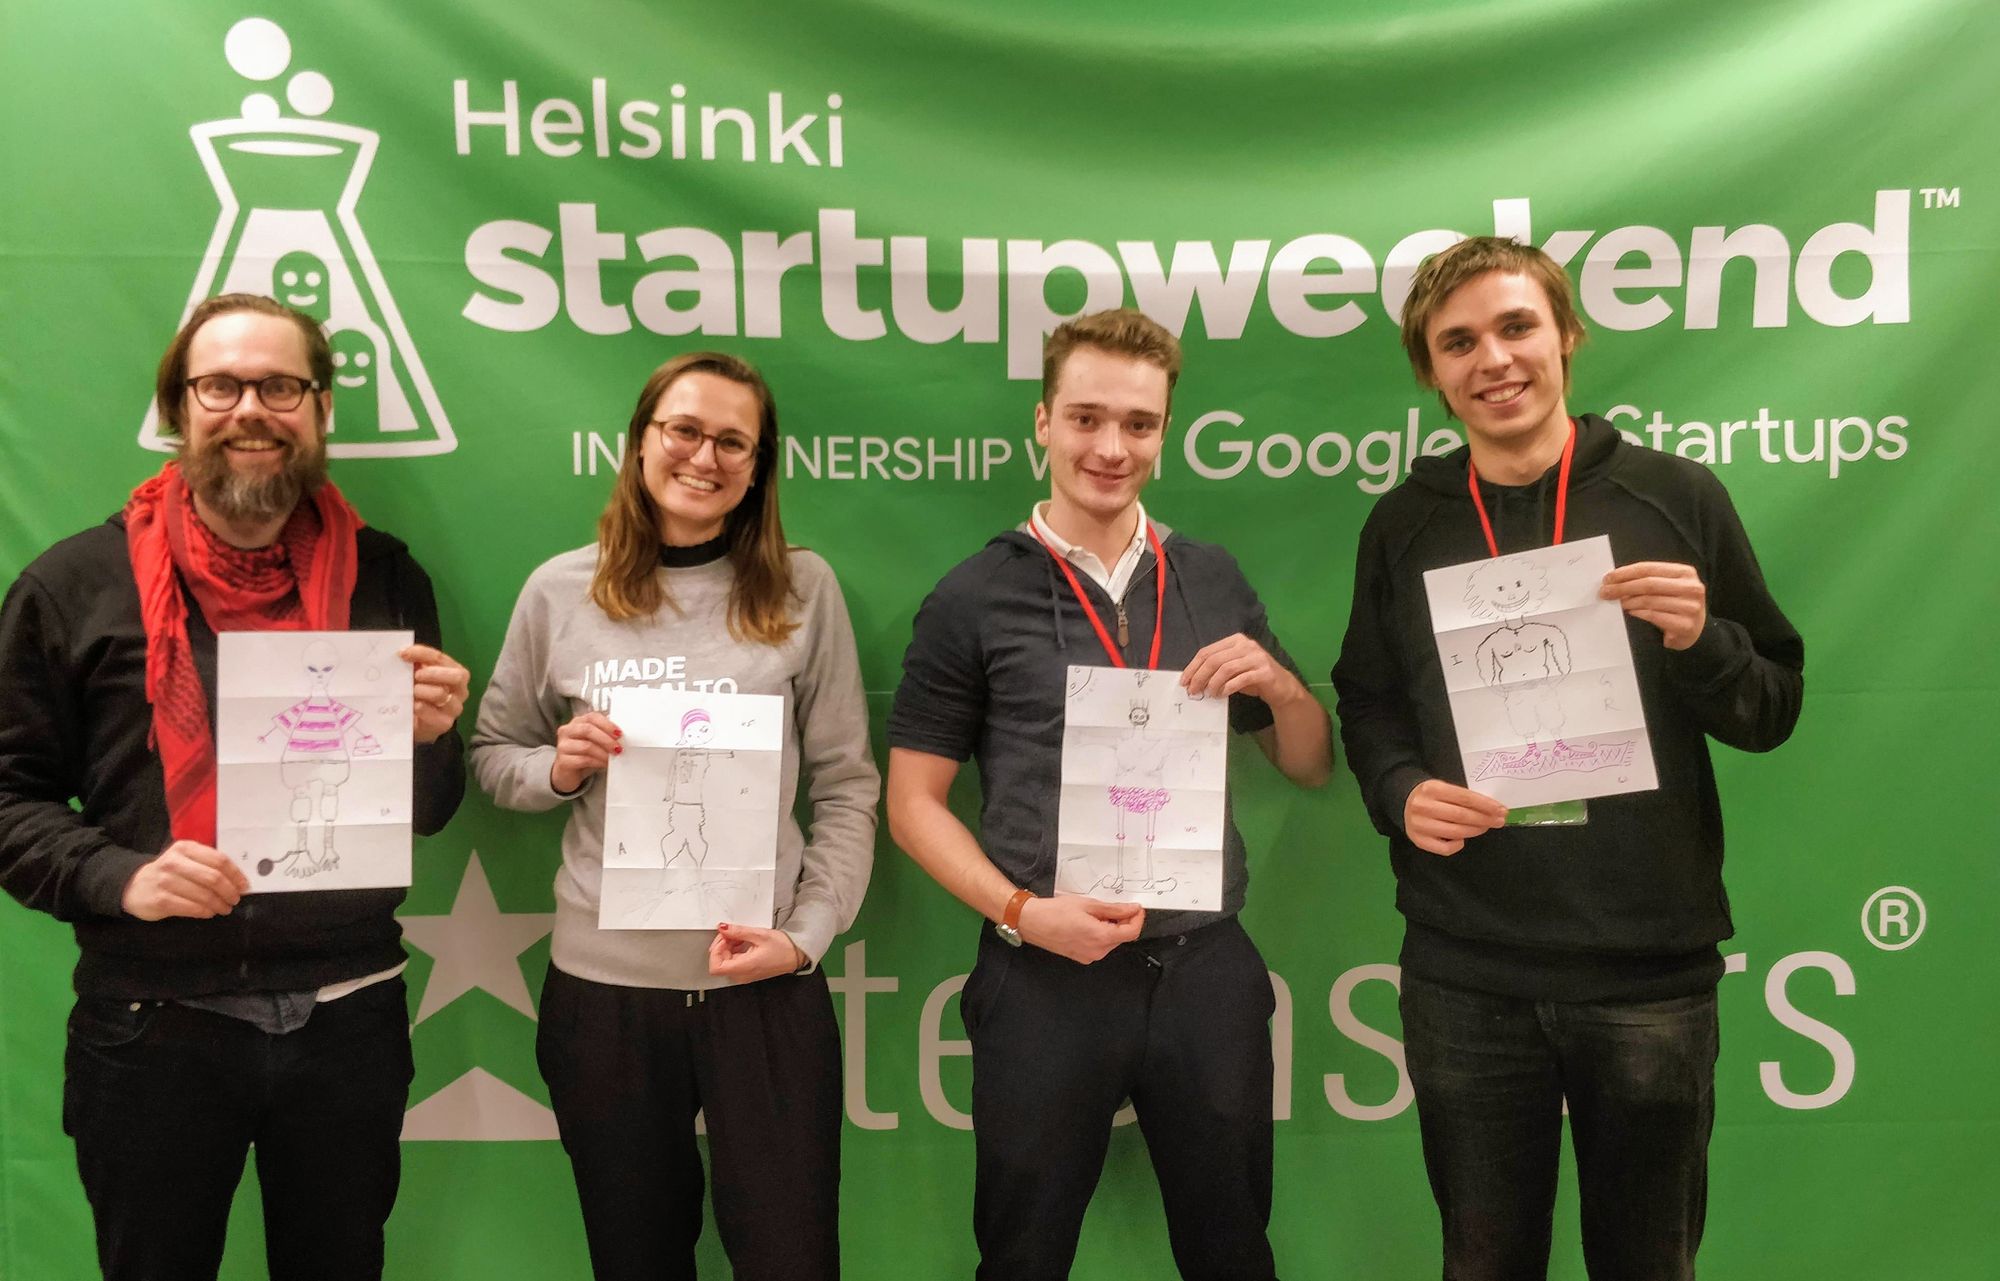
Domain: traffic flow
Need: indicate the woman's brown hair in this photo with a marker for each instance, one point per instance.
(627, 585)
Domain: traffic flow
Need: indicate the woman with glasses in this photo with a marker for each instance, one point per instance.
(691, 584)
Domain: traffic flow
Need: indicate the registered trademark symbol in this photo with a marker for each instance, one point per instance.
(1893, 917)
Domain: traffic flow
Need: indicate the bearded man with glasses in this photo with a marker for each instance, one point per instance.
(208, 1022)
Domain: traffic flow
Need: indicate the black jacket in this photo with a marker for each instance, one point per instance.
(74, 723)
(1630, 906)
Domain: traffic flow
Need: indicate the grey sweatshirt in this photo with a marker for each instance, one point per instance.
(563, 656)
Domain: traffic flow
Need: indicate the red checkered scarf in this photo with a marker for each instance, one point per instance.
(301, 582)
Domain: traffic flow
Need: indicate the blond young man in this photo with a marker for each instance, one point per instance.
(1076, 1003)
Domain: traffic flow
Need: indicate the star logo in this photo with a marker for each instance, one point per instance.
(477, 947)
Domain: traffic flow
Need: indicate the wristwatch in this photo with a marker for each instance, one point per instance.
(1009, 927)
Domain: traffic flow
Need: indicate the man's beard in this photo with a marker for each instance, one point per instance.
(249, 499)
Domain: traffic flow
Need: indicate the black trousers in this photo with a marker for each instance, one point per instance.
(628, 1067)
(1491, 1074)
(1181, 1026)
(165, 1101)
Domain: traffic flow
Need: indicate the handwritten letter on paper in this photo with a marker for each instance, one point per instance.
(1144, 765)
(1539, 670)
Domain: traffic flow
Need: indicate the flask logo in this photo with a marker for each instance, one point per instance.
(288, 186)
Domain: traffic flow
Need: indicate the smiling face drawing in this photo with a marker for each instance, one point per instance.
(299, 280)
(353, 359)
(696, 728)
(1505, 588)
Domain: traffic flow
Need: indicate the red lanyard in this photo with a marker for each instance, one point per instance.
(1090, 611)
(1562, 493)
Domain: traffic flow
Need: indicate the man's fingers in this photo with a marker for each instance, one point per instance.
(1651, 569)
(1113, 911)
(1431, 845)
(193, 895)
(214, 882)
(1436, 792)
(1200, 671)
(1478, 820)
(167, 905)
(1685, 605)
(205, 865)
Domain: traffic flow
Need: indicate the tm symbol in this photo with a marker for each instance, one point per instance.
(1940, 197)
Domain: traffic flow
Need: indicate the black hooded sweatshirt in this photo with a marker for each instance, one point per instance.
(1631, 905)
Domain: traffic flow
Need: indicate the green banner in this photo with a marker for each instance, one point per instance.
(1784, 224)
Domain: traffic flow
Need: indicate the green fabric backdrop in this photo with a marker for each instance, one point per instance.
(1784, 221)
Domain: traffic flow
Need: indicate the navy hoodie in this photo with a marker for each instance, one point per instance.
(985, 676)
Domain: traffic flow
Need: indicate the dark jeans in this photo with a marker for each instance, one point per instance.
(1181, 1026)
(1491, 1074)
(628, 1067)
(164, 1101)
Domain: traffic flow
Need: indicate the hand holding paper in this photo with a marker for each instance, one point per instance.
(1238, 665)
(187, 879)
(1144, 764)
(583, 747)
(747, 953)
(1440, 817)
(1670, 596)
(439, 687)
(1537, 664)
(690, 811)
(1082, 929)
(314, 740)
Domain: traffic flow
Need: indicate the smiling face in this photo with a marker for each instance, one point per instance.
(354, 359)
(694, 494)
(1500, 360)
(1505, 588)
(299, 280)
(1102, 426)
(249, 464)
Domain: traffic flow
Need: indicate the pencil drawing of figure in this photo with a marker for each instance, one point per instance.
(1139, 788)
(322, 736)
(1522, 661)
(687, 813)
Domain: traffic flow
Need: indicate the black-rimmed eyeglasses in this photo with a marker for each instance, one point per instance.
(733, 450)
(276, 392)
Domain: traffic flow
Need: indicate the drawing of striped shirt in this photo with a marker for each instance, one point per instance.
(316, 727)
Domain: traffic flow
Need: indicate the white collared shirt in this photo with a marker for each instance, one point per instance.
(1114, 580)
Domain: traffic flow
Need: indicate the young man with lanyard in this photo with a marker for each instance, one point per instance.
(1573, 962)
(1076, 1004)
(206, 1021)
